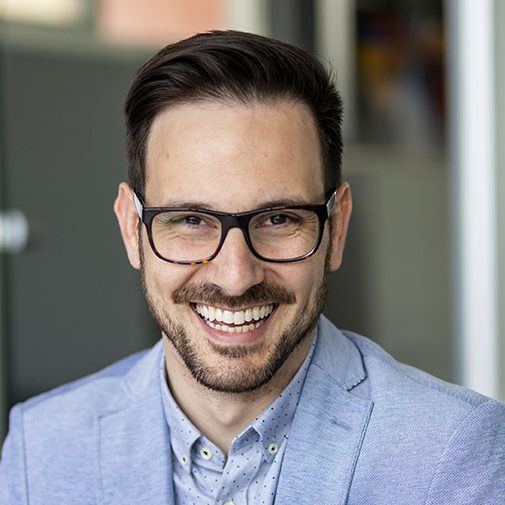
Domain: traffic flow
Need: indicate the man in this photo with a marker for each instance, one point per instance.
(235, 213)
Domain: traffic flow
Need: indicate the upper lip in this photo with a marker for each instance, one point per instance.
(235, 309)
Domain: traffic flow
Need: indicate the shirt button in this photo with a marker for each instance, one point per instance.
(272, 448)
(184, 459)
(206, 453)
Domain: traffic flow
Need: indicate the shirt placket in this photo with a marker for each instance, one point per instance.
(242, 466)
(208, 464)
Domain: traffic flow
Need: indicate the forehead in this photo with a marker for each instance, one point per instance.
(232, 157)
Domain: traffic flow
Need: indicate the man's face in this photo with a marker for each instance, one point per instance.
(234, 158)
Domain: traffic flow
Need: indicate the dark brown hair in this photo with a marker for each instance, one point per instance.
(232, 66)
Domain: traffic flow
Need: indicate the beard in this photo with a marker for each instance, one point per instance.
(236, 371)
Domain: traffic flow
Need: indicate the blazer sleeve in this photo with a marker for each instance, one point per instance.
(13, 489)
(471, 470)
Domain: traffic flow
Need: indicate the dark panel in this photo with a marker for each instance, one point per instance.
(293, 22)
(75, 304)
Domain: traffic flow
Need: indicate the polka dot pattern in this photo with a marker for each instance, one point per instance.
(201, 472)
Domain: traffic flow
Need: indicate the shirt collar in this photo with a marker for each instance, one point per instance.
(272, 425)
(183, 433)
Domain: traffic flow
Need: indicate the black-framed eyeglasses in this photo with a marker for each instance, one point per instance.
(191, 236)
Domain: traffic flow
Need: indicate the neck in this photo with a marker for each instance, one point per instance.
(222, 416)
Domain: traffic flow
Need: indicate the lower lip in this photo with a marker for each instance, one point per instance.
(225, 337)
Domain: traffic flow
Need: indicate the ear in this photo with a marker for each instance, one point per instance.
(340, 224)
(128, 219)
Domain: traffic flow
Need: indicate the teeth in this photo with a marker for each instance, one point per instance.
(254, 314)
(234, 329)
(227, 317)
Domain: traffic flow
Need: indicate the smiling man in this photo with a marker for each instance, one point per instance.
(235, 213)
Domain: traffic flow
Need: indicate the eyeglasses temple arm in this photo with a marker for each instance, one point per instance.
(138, 205)
(330, 205)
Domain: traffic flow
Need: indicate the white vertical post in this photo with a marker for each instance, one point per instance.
(335, 41)
(248, 16)
(473, 182)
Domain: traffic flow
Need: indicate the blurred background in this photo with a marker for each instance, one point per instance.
(422, 271)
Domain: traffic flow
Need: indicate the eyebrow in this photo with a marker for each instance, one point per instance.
(186, 204)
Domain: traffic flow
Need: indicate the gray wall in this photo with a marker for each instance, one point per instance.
(394, 283)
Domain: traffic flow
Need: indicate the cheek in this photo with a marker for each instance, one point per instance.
(304, 278)
(155, 277)
(161, 279)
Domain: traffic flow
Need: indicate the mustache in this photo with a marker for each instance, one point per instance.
(211, 294)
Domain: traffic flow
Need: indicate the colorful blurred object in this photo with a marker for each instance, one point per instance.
(400, 52)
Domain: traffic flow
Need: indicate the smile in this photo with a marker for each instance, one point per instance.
(238, 321)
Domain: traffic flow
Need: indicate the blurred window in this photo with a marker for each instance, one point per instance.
(44, 12)
(130, 22)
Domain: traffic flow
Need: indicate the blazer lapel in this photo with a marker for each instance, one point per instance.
(324, 444)
(328, 428)
(135, 456)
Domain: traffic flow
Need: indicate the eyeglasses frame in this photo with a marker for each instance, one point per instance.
(239, 220)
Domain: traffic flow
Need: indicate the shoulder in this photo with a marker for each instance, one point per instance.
(404, 401)
(407, 396)
(85, 399)
(448, 440)
(389, 379)
(404, 394)
(363, 368)
(57, 433)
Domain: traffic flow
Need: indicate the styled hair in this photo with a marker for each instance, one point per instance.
(232, 66)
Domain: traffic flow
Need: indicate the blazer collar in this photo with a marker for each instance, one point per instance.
(338, 357)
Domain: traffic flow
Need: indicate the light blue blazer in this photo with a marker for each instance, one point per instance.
(368, 430)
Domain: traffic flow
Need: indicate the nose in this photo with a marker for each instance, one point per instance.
(235, 268)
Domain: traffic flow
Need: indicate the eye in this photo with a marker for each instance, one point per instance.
(278, 219)
(188, 220)
(191, 220)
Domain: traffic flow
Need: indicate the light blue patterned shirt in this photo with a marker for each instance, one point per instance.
(201, 472)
